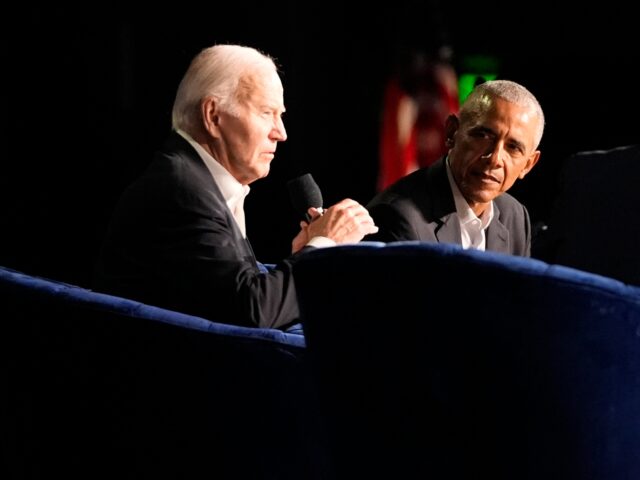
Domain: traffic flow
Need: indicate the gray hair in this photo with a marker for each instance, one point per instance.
(511, 92)
(220, 72)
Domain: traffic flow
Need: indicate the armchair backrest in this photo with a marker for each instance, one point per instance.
(595, 221)
(438, 362)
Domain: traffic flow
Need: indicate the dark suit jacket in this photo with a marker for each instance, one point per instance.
(420, 206)
(173, 242)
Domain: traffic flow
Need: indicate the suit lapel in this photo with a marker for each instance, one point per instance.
(497, 233)
(443, 207)
(178, 144)
(448, 230)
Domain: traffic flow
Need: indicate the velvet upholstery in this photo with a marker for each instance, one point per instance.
(438, 362)
(97, 386)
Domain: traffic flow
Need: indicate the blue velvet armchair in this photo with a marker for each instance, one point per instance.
(97, 386)
(437, 362)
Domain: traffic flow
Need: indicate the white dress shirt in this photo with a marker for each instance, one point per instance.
(233, 191)
(472, 227)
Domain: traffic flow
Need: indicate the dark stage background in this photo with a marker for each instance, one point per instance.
(88, 92)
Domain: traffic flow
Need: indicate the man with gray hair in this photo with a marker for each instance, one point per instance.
(462, 197)
(177, 238)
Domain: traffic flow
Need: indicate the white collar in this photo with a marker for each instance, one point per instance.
(232, 190)
(464, 211)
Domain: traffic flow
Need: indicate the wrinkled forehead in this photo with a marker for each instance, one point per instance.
(261, 85)
(489, 108)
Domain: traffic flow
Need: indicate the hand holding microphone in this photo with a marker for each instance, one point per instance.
(345, 222)
(305, 194)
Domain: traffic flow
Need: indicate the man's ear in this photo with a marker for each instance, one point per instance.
(451, 125)
(210, 116)
(533, 159)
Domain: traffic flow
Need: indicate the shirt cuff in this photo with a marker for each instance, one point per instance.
(320, 242)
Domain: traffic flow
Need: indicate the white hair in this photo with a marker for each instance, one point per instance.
(220, 72)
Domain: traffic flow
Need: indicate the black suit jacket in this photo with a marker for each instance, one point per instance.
(173, 242)
(420, 206)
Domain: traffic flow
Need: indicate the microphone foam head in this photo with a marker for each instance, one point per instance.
(304, 193)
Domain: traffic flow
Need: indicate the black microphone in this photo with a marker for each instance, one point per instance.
(304, 193)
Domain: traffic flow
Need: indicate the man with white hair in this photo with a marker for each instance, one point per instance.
(177, 238)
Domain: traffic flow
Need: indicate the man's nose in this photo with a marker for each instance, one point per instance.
(279, 132)
(493, 154)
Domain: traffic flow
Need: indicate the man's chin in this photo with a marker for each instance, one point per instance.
(484, 196)
(262, 172)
